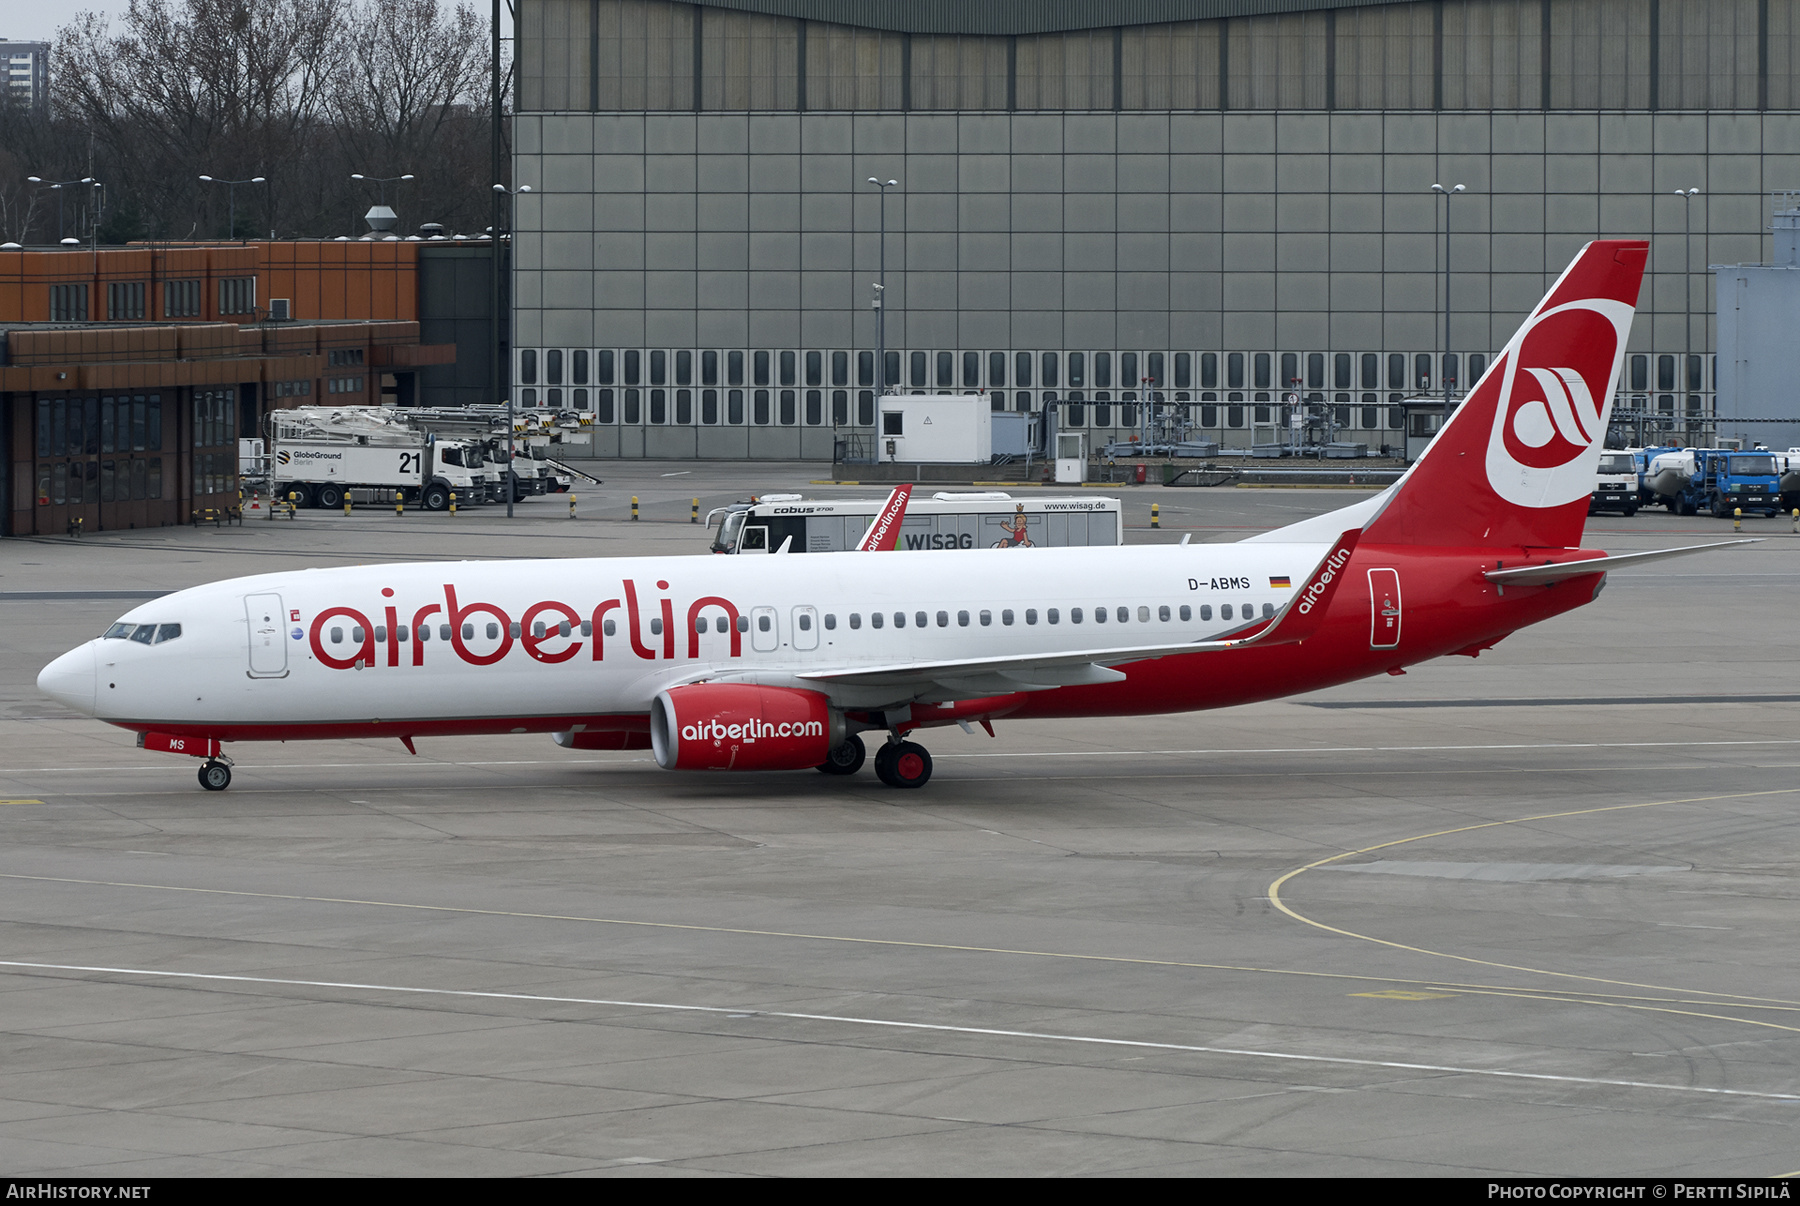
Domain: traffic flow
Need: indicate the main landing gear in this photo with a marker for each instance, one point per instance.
(215, 776)
(903, 764)
(897, 763)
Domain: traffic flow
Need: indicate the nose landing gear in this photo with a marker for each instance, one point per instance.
(215, 776)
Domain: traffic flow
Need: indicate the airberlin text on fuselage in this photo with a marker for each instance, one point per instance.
(649, 636)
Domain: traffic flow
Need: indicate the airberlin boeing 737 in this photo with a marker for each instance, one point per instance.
(779, 663)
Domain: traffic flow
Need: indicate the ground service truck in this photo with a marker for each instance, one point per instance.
(1716, 480)
(947, 520)
(317, 454)
(1615, 485)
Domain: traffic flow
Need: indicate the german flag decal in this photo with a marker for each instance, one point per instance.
(1283, 582)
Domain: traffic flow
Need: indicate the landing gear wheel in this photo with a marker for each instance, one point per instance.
(215, 776)
(846, 759)
(903, 764)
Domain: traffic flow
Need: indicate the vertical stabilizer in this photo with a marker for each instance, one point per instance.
(1515, 464)
(884, 534)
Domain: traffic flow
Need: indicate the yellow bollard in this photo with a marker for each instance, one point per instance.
(694, 515)
(1156, 515)
(346, 500)
(293, 503)
(1797, 519)
(453, 504)
(399, 503)
(571, 504)
(634, 508)
(1737, 519)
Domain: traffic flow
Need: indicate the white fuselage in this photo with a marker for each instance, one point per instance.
(284, 649)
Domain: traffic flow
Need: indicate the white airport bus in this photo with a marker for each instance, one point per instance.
(946, 520)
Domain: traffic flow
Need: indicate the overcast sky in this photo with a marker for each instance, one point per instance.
(36, 20)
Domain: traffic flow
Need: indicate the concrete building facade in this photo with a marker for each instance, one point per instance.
(1233, 199)
(27, 71)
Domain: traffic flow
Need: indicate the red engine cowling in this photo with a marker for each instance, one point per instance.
(740, 726)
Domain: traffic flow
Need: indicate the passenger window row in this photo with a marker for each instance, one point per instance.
(491, 630)
(149, 633)
(1008, 617)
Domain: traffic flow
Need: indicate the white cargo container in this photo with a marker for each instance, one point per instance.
(937, 429)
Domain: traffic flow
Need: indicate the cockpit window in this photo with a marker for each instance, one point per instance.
(143, 634)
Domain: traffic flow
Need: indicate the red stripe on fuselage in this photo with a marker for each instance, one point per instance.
(462, 726)
(1449, 606)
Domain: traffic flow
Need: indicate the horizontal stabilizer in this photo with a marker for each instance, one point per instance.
(1537, 575)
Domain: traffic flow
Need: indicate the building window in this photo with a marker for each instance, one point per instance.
(345, 356)
(125, 299)
(181, 299)
(68, 303)
(237, 295)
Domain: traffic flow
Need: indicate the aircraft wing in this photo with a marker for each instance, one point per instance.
(956, 678)
(1539, 575)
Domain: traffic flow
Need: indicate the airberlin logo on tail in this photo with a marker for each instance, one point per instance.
(1315, 590)
(883, 534)
(1554, 397)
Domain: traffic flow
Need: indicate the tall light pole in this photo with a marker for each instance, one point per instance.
(1444, 351)
(1687, 294)
(57, 186)
(512, 478)
(881, 300)
(231, 192)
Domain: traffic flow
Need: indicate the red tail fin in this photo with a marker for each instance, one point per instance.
(884, 533)
(1515, 465)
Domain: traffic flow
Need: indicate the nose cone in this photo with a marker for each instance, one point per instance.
(71, 679)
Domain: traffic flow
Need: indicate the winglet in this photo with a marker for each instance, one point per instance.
(1305, 612)
(884, 534)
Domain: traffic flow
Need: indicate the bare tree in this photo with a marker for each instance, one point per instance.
(412, 98)
(229, 88)
(300, 92)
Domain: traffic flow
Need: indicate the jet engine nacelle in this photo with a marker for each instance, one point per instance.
(741, 726)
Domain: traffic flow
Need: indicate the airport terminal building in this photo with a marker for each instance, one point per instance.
(1231, 197)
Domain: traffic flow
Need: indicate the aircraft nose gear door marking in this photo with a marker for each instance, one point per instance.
(268, 648)
(1384, 608)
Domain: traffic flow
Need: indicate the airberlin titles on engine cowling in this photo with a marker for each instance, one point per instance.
(565, 629)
